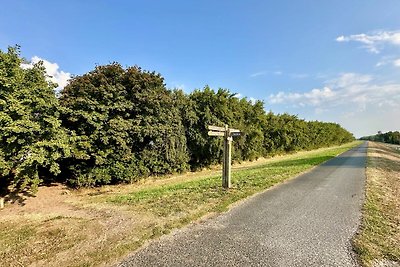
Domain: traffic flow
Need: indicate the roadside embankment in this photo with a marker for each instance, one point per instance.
(378, 240)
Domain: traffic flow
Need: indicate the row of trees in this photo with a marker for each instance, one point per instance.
(118, 124)
(389, 137)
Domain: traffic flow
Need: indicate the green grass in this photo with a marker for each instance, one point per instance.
(196, 198)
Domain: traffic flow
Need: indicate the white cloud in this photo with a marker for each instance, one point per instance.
(313, 97)
(382, 63)
(358, 102)
(341, 39)
(348, 79)
(252, 100)
(299, 75)
(373, 42)
(388, 61)
(260, 73)
(52, 69)
(280, 73)
(349, 90)
(264, 72)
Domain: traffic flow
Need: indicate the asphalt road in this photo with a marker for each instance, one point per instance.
(307, 221)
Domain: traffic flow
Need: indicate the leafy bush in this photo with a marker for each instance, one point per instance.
(116, 124)
(32, 140)
(127, 123)
(389, 137)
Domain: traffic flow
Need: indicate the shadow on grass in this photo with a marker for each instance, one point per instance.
(300, 162)
(19, 196)
(342, 161)
(386, 149)
(385, 164)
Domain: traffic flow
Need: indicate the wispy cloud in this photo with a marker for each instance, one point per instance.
(280, 73)
(346, 80)
(299, 75)
(349, 90)
(388, 61)
(260, 73)
(383, 62)
(373, 42)
(314, 97)
(396, 62)
(265, 72)
(55, 75)
(360, 103)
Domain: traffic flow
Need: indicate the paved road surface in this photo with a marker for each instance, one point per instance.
(307, 221)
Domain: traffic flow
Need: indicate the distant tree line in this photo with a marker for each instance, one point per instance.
(116, 124)
(389, 137)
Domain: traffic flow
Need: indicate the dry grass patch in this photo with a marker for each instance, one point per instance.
(378, 242)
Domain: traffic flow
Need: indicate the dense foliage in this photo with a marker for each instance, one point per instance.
(32, 139)
(263, 134)
(127, 123)
(389, 137)
(118, 124)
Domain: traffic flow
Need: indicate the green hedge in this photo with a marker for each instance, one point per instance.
(116, 124)
(389, 137)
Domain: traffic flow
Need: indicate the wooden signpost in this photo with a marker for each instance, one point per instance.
(227, 133)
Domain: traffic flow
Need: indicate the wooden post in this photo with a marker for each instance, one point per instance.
(1, 203)
(226, 178)
(226, 162)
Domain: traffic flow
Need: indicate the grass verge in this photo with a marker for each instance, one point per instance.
(99, 226)
(378, 240)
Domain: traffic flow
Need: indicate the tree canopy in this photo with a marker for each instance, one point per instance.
(127, 126)
(32, 139)
(389, 137)
(116, 124)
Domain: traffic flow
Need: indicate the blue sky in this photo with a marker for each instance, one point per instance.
(322, 60)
